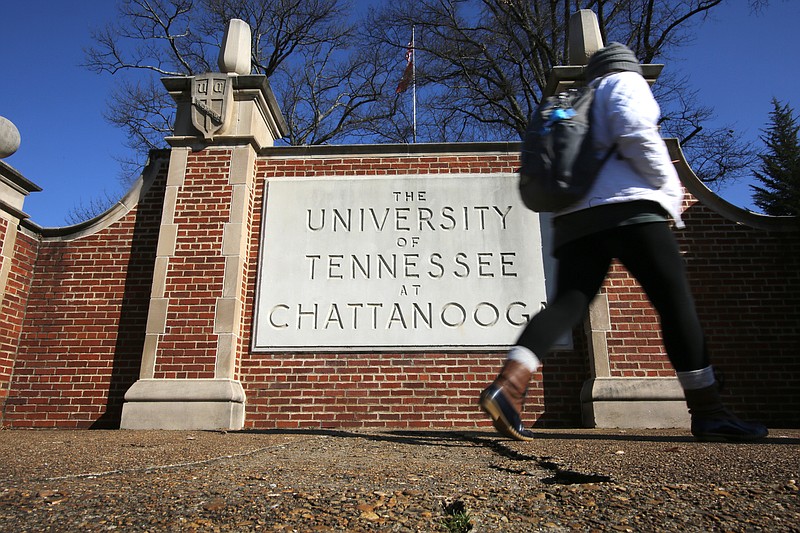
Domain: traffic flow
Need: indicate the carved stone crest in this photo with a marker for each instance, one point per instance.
(212, 101)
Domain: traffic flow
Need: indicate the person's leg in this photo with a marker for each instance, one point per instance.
(582, 266)
(651, 254)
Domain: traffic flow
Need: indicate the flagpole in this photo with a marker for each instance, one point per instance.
(414, 81)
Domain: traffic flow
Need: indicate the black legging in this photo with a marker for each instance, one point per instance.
(649, 252)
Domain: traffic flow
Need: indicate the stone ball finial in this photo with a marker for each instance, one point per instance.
(9, 138)
(584, 36)
(234, 54)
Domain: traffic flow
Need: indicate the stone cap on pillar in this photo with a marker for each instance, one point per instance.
(227, 107)
(584, 36)
(14, 187)
(234, 54)
(254, 115)
(563, 77)
(584, 40)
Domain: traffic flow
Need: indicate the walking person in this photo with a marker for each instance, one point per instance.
(625, 216)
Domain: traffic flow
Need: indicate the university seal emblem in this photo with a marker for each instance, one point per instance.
(212, 101)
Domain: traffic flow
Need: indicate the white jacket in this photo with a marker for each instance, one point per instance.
(625, 112)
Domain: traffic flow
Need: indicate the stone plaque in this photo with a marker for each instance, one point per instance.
(398, 263)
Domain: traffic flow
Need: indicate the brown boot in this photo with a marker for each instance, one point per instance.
(503, 399)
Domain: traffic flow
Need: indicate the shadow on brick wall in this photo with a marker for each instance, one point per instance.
(135, 303)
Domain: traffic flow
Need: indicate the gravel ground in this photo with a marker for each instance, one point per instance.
(382, 480)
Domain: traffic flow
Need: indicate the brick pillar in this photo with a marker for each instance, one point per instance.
(606, 400)
(13, 190)
(629, 402)
(188, 378)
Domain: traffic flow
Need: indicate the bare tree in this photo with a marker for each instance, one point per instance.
(87, 209)
(149, 39)
(483, 64)
(327, 86)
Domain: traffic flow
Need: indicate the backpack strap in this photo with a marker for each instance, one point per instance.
(609, 153)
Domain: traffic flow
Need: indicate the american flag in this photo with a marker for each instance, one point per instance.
(408, 73)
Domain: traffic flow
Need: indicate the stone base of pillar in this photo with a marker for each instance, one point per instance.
(188, 404)
(639, 403)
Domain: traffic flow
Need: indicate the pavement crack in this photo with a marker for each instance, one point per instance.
(561, 475)
(153, 468)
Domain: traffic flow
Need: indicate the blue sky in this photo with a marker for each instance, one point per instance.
(737, 63)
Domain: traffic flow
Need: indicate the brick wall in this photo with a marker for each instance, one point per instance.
(410, 390)
(75, 312)
(634, 343)
(85, 307)
(188, 347)
(14, 305)
(746, 284)
(7, 344)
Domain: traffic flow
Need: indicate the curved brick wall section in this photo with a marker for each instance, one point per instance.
(81, 341)
(747, 287)
(746, 284)
(14, 306)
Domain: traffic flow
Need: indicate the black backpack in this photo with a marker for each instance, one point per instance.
(559, 162)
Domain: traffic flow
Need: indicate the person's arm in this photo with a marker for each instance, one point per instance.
(633, 115)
